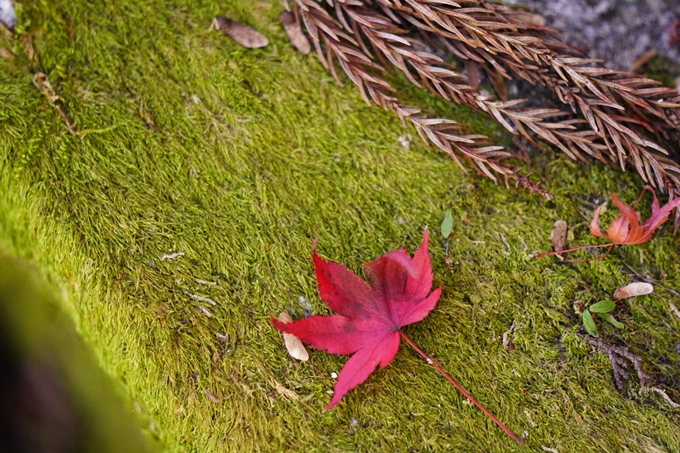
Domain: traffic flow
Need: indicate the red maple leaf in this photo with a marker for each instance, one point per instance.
(626, 229)
(371, 314)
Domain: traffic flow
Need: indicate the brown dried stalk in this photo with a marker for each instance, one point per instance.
(332, 42)
(394, 44)
(502, 31)
(499, 39)
(502, 45)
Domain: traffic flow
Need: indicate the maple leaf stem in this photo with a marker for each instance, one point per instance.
(593, 259)
(438, 367)
(541, 255)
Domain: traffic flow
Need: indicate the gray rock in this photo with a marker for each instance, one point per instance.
(616, 31)
(7, 14)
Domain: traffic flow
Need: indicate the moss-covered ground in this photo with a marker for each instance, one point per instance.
(238, 158)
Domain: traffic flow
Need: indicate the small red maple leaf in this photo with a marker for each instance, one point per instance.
(626, 229)
(371, 314)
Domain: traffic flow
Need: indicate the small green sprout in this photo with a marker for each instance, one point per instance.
(447, 224)
(601, 309)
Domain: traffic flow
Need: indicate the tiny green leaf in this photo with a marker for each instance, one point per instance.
(611, 320)
(603, 306)
(589, 324)
(447, 224)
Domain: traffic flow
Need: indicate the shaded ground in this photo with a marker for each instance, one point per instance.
(239, 158)
(53, 396)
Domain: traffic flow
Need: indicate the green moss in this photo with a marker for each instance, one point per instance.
(239, 158)
(663, 70)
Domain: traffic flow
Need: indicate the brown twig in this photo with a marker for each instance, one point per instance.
(43, 84)
(619, 357)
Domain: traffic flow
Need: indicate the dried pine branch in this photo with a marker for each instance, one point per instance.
(611, 103)
(644, 97)
(333, 43)
(505, 46)
(394, 44)
(502, 31)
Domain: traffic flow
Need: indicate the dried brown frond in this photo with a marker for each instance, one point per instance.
(620, 357)
(425, 68)
(612, 104)
(610, 101)
(502, 31)
(336, 41)
(607, 106)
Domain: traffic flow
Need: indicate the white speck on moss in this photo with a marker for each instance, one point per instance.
(405, 141)
(203, 299)
(170, 256)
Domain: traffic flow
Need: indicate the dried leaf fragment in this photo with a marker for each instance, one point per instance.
(293, 344)
(171, 256)
(240, 33)
(559, 235)
(213, 398)
(295, 34)
(633, 290)
(291, 395)
(43, 84)
(6, 54)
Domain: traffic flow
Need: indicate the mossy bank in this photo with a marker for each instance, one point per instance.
(186, 142)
